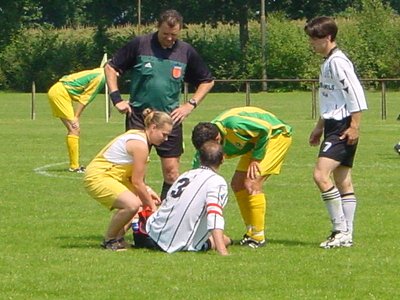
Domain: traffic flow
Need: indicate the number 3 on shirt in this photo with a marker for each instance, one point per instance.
(180, 187)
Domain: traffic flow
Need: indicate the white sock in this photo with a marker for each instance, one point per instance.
(349, 203)
(333, 203)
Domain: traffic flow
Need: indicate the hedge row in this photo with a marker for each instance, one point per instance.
(371, 38)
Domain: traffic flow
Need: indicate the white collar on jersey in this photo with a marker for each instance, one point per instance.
(207, 168)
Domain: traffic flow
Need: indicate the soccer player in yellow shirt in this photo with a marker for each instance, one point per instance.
(80, 88)
(262, 141)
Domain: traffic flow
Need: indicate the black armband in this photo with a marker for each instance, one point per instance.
(115, 97)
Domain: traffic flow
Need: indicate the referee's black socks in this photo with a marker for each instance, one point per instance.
(164, 190)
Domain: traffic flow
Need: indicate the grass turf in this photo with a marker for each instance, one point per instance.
(51, 229)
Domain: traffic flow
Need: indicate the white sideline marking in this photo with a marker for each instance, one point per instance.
(43, 170)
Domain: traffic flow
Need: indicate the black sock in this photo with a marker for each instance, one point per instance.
(164, 190)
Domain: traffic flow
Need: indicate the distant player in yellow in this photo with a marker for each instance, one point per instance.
(78, 90)
(262, 140)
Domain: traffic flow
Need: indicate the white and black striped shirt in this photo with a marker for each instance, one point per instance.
(194, 206)
(340, 91)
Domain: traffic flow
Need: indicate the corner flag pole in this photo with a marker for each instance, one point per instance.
(106, 96)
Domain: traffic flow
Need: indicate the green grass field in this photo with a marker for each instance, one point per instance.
(50, 229)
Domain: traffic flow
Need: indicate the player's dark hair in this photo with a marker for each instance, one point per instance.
(211, 154)
(158, 118)
(203, 132)
(171, 17)
(321, 27)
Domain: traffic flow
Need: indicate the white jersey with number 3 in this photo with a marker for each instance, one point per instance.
(194, 206)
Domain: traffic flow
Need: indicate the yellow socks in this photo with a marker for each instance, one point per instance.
(73, 151)
(258, 206)
(252, 208)
(242, 198)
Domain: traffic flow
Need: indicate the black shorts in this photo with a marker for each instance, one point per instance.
(335, 148)
(206, 246)
(173, 147)
(145, 241)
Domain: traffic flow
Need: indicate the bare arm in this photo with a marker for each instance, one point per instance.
(79, 109)
(112, 83)
(315, 136)
(139, 151)
(202, 90)
(352, 133)
(218, 241)
(181, 113)
(111, 78)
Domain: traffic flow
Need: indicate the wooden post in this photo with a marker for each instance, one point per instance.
(383, 100)
(247, 93)
(33, 100)
(313, 101)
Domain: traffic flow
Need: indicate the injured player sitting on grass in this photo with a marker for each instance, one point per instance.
(191, 216)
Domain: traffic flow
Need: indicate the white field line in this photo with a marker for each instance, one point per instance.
(43, 171)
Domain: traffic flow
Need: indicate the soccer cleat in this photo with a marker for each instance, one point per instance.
(397, 148)
(337, 239)
(252, 243)
(255, 244)
(81, 169)
(348, 244)
(123, 243)
(113, 245)
(244, 240)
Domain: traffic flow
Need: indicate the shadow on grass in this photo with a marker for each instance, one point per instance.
(288, 243)
(80, 242)
(291, 243)
(94, 241)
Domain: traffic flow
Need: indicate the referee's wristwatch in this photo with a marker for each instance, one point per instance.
(192, 102)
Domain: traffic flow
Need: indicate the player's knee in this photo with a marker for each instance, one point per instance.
(237, 182)
(345, 186)
(317, 176)
(253, 187)
(171, 175)
(74, 131)
(129, 203)
(236, 186)
(321, 180)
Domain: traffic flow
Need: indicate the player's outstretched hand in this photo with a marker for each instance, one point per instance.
(154, 196)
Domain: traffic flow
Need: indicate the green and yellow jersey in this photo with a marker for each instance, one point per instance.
(85, 85)
(248, 129)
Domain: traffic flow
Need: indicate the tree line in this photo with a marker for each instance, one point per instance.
(18, 14)
(47, 41)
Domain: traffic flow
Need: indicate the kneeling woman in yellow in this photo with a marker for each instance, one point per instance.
(115, 177)
(78, 89)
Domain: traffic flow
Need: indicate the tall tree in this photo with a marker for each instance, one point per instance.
(298, 9)
(9, 21)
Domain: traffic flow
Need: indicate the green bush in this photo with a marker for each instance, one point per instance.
(220, 48)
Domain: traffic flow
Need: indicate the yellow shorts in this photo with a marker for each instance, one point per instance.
(272, 162)
(105, 184)
(61, 102)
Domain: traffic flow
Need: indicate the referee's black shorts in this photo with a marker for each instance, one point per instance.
(173, 147)
(335, 148)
